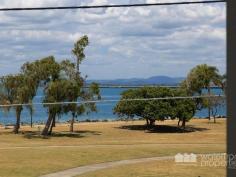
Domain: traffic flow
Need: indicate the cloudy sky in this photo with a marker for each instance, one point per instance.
(124, 42)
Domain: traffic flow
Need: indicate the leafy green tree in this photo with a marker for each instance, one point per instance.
(78, 93)
(42, 71)
(152, 109)
(184, 109)
(202, 76)
(78, 50)
(55, 92)
(21, 88)
(17, 91)
(39, 73)
(65, 90)
(70, 87)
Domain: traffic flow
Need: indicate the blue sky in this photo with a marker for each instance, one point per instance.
(124, 42)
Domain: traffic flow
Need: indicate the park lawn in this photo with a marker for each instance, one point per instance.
(167, 168)
(29, 155)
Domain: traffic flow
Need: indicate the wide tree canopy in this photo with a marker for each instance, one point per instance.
(152, 109)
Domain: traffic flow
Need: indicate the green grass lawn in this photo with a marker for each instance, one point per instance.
(29, 155)
(159, 169)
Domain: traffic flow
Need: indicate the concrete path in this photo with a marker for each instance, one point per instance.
(90, 168)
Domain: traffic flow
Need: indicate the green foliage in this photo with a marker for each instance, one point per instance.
(155, 109)
(185, 109)
(69, 87)
(61, 81)
(16, 90)
(78, 50)
(201, 76)
(42, 71)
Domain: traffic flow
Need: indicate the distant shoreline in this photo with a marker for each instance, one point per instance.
(102, 121)
(141, 86)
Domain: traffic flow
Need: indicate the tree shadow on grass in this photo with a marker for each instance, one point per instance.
(163, 128)
(75, 134)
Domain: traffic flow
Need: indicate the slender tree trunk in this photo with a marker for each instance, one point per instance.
(152, 122)
(53, 124)
(47, 125)
(209, 106)
(31, 120)
(183, 123)
(147, 122)
(54, 121)
(72, 124)
(214, 119)
(77, 67)
(17, 125)
(179, 122)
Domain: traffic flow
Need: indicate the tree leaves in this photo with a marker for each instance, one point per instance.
(155, 109)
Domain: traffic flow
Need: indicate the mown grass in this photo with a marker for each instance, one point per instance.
(28, 154)
(160, 169)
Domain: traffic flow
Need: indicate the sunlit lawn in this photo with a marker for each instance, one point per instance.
(160, 169)
(29, 155)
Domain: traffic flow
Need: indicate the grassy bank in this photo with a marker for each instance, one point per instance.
(28, 154)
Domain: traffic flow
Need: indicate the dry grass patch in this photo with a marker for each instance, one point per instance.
(159, 169)
(101, 142)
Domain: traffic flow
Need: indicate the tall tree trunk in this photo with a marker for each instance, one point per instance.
(209, 106)
(18, 114)
(179, 122)
(53, 124)
(31, 121)
(147, 122)
(77, 66)
(183, 123)
(54, 121)
(72, 124)
(152, 122)
(47, 125)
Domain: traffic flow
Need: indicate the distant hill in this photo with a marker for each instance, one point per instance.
(155, 80)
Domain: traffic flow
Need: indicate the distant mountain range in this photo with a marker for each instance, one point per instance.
(155, 80)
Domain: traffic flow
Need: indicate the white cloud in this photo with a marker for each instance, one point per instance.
(154, 40)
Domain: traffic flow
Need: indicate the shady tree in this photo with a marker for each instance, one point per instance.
(20, 89)
(17, 90)
(151, 109)
(70, 88)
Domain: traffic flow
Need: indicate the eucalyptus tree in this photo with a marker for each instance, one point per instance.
(21, 88)
(17, 91)
(69, 87)
(42, 71)
(78, 50)
(202, 77)
(69, 92)
(3, 98)
(78, 92)
(39, 73)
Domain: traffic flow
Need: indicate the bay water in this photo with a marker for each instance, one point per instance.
(105, 109)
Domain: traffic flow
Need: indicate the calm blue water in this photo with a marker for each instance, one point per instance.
(104, 109)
